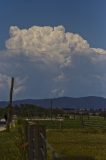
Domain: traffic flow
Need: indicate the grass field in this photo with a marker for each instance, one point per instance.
(79, 144)
(9, 146)
(92, 122)
(68, 138)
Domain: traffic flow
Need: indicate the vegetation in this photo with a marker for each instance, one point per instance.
(73, 144)
(70, 138)
(9, 145)
(79, 144)
(28, 110)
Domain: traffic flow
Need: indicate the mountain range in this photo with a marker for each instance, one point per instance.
(63, 102)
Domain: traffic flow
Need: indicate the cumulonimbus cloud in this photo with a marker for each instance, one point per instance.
(45, 39)
(73, 66)
(51, 43)
(48, 43)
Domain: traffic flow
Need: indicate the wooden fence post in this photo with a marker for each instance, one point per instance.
(36, 142)
(9, 116)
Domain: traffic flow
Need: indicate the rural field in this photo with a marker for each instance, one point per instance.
(53, 80)
(79, 144)
(69, 140)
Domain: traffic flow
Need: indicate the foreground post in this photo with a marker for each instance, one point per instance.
(9, 116)
(36, 138)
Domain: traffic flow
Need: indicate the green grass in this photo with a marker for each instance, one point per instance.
(9, 145)
(69, 139)
(79, 144)
(49, 124)
(93, 122)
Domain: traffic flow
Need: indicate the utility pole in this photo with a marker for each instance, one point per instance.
(9, 116)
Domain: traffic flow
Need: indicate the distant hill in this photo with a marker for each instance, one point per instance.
(63, 102)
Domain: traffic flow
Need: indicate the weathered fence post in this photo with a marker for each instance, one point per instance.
(9, 116)
(36, 142)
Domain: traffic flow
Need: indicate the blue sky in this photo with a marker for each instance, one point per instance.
(66, 71)
(85, 17)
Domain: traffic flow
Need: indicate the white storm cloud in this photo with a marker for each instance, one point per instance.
(45, 39)
(48, 43)
(99, 51)
(72, 66)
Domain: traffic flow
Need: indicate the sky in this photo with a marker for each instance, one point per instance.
(53, 48)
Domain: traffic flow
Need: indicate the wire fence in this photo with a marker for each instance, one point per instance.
(36, 143)
(29, 139)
